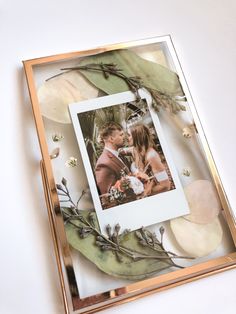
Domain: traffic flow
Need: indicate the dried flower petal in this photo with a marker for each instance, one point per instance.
(203, 201)
(187, 132)
(56, 137)
(55, 153)
(71, 162)
(55, 95)
(186, 172)
(196, 239)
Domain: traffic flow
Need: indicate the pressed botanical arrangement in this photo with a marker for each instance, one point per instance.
(132, 176)
(111, 73)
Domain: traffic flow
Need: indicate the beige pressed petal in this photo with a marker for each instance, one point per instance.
(55, 153)
(186, 172)
(203, 201)
(57, 137)
(71, 162)
(55, 95)
(197, 240)
(187, 132)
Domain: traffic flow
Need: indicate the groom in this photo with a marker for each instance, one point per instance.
(109, 165)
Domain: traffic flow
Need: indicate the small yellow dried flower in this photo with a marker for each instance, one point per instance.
(57, 137)
(187, 132)
(186, 172)
(71, 162)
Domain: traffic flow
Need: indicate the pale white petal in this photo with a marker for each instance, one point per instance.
(55, 95)
(197, 240)
(187, 132)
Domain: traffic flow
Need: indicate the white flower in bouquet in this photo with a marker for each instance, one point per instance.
(115, 194)
(136, 185)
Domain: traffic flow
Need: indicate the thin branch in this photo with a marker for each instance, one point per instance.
(111, 242)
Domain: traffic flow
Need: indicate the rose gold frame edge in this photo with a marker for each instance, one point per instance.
(145, 287)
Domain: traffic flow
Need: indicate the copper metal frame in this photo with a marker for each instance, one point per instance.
(71, 299)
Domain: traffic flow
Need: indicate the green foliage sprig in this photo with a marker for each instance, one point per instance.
(113, 240)
(134, 83)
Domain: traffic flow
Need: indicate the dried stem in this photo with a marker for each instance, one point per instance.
(159, 98)
(112, 241)
(67, 194)
(116, 247)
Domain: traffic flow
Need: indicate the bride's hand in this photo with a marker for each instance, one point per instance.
(148, 188)
(142, 176)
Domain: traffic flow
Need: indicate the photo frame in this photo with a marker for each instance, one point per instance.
(152, 65)
(123, 212)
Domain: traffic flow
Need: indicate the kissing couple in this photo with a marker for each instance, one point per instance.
(146, 164)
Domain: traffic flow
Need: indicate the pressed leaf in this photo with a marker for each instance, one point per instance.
(107, 261)
(153, 75)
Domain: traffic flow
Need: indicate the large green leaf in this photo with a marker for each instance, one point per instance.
(152, 74)
(107, 261)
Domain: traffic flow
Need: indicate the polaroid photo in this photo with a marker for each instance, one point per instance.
(131, 175)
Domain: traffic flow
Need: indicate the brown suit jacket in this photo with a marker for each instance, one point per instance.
(108, 171)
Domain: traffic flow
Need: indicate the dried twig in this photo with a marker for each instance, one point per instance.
(159, 98)
(111, 241)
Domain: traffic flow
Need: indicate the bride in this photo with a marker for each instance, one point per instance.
(147, 164)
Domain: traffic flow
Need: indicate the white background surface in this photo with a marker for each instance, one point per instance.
(204, 34)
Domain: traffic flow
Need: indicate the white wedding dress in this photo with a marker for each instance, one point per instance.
(160, 176)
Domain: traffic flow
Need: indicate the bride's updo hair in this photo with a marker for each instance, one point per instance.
(142, 138)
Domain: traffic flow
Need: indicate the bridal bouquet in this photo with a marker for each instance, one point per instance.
(125, 188)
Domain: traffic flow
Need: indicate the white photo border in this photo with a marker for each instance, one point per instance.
(142, 212)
